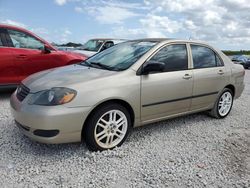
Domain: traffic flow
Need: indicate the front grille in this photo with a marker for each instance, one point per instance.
(22, 92)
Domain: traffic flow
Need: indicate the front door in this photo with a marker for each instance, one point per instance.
(8, 73)
(28, 54)
(169, 92)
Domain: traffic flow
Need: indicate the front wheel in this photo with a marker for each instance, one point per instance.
(107, 127)
(223, 104)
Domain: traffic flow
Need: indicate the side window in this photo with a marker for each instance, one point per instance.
(23, 40)
(173, 56)
(2, 35)
(204, 57)
(1, 44)
(107, 45)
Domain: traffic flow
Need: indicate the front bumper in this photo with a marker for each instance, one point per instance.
(34, 120)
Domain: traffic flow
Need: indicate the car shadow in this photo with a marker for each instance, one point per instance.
(172, 123)
(33, 148)
(6, 93)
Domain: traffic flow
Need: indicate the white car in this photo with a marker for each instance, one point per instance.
(94, 46)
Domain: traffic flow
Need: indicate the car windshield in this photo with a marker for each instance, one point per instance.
(92, 45)
(120, 56)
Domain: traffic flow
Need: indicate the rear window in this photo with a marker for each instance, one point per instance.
(204, 57)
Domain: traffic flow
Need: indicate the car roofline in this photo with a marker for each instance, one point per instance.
(9, 26)
(168, 40)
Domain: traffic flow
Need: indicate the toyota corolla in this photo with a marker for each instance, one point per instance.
(130, 84)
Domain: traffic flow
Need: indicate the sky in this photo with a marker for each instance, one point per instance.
(222, 23)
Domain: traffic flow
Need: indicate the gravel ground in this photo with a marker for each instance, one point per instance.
(191, 151)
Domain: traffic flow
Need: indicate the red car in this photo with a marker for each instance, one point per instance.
(22, 53)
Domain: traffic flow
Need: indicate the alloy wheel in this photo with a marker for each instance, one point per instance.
(110, 129)
(225, 103)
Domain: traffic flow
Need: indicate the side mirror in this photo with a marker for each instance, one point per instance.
(152, 66)
(46, 49)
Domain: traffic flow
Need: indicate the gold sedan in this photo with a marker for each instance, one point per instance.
(130, 84)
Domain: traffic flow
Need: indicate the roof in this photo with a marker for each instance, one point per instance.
(158, 40)
(9, 26)
(105, 39)
(152, 39)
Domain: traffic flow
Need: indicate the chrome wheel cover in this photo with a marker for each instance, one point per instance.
(110, 129)
(225, 103)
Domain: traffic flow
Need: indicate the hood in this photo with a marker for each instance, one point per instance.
(85, 52)
(67, 76)
(74, 55)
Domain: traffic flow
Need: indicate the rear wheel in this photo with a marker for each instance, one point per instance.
(223, 104)
(107, 127)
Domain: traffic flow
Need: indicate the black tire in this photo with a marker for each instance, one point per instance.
(215, 111)
(89, 127)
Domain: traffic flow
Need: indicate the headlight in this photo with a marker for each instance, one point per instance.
(52, 97)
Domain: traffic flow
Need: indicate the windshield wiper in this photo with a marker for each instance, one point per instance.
(102, 65)
(97, 65)
(85, 63)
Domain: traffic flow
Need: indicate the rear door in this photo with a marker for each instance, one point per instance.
(9, 73)
(210, 76)
(167, 93)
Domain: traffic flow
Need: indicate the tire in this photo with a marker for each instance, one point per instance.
(99, 127)
(216, 112)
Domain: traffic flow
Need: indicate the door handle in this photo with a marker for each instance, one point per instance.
(21, 56)
(220, 72)
(187, 76)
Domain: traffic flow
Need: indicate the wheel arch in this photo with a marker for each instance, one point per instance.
(109, 101)
(232, 88)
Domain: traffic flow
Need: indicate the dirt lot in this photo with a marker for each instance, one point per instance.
(191, 151)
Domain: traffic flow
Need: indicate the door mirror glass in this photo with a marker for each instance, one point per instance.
(46, 49)
(153, 66)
